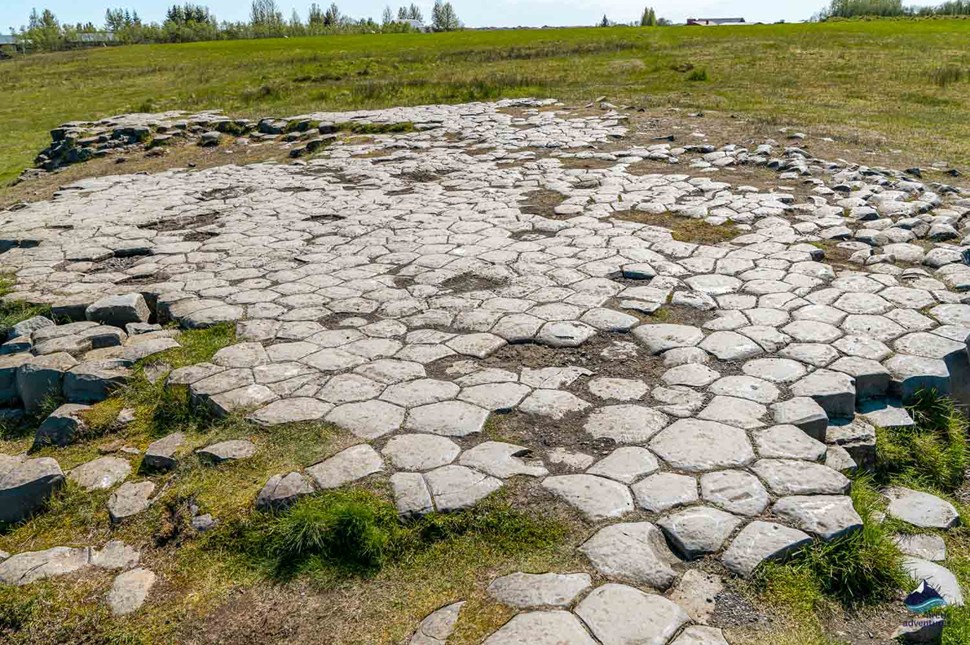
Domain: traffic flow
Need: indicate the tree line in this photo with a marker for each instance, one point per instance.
(892, 9)
(195, 22)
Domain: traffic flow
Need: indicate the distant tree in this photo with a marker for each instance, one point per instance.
(443, 17)
(332, 16)
(315, 16)
(856, 8)
(414, 13)
(265, 16)
(388, 17)
(44, 31)
(649, 18)
(605, 22)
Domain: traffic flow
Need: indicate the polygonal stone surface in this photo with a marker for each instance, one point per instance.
(130, 590)
(787, 442)
(231, 450)
(101, 473)
(660, 338)
(554, 404)
(761, 541)
(626, 464)
(937, 577)
(663, 491)
(448, 418)
(294, 410)
(420, 451)
(130, 499)
(635, 552)
(698, 530)
(617, 388)
(597, 497)
(25, 485)
(368, 419)
(696, 446)
(736, 491)
(346, 466)
(794, 477)
(804, 413)
(925, 546)
(921, 509)
(825, 516)
(621, 614)
(833, 391)
(62, 426)
(625, 423)
(437, 626)
(457, 487)
(532, 590)
(731, 346)
(542, 628)
(503, 460)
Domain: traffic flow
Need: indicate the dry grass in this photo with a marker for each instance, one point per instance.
(684, 229)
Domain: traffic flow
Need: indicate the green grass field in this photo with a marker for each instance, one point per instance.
(876, 81)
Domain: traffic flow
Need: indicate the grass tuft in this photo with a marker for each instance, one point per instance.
(932, 454)
(15, 311)
(697, 76)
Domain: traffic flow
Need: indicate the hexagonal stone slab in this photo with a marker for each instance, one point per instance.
(774, 370)
(736, 491)
(760, 541)
(367, 419)
(281, 491)
(693, 445)
(295, 410)
(597, 497)
(497, 397)
(925, 546)
(25, 484)
(731, 346)
(130, 499)
(746, 387)
(448, 418)
(787, 442)
(437, 626)
(503, 460)
(793, 477)
(940, 578)
(833, 391)
(542, 628)
(456, 487)
(101, 473)
(620, 614)
(634, 552)
(532, 590)
(698, 530)
(663, 491)
(554, 404)
(231, 450)
(826, 516)
(626, 423)
(346, 466)
(921, 509)
(660, 338)
(420, 451)
(626, 465)
(411, 494)
(803, 413)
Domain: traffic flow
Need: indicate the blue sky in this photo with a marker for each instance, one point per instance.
(475, 13)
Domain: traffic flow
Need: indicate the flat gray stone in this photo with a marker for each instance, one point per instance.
(503, 460)
(762, 541)
(94, 381)
(367, 419)
(746, 387)
(692, 375)
(804, 413)
(663, 491)
(659, 338)
(597, 497)
(774, 370)
(921, 509)
(795, 477)
(740, 413)
(495, 397)
(25, 568)
(437, 626)
(731, 346)
(542, 628)
(626, 464)
(101, 473)
(825, 516)
(627, 423)
(62, 427)
(618, 389)
(698, 530)
(700, 635)
(736, 491)
(160, 455)
(536, 590)
(696, 593)
(42, 377)
(294, 410)
(346, 466)
(130, 590)
(456, 487)
(565, 333)
(693, 445)
(554, 404)
(26, 485)
(281, 491)
(420, 392)
(633, 552)
(418, 452)
(130, 499)
(787, 442)
(834, 391)
(411, 495)
(925, 546)
(231, 450)
(119, 310)
(620, 614)
(447, 418)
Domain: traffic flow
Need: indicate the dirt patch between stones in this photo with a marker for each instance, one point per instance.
(574, 163)
(470, 282)
(684, 229)
(543, 202)
(182, 222)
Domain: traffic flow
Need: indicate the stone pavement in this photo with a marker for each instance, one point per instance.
(394, 286)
